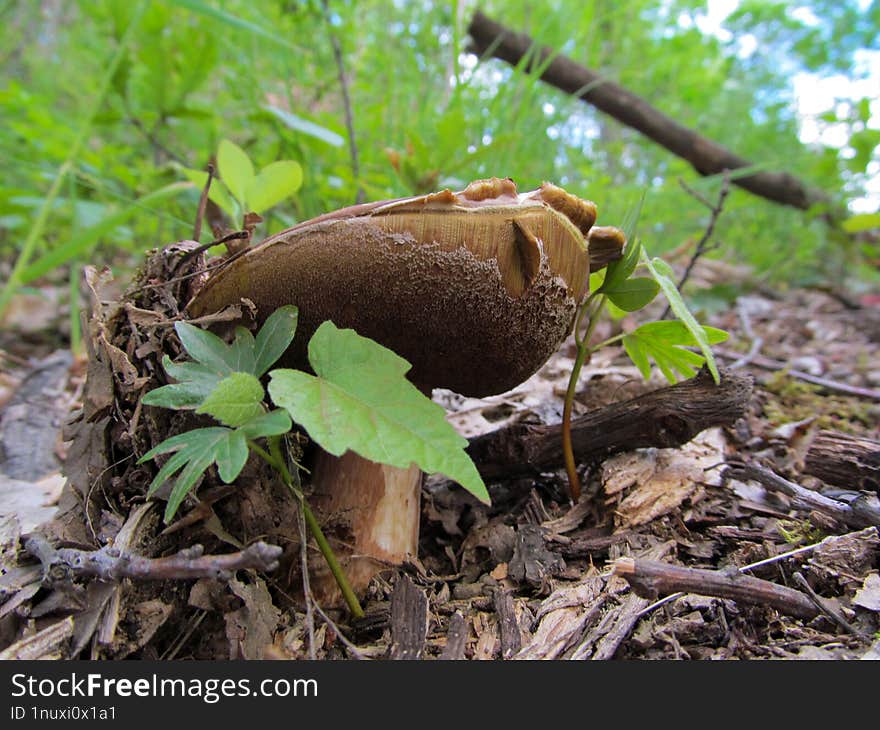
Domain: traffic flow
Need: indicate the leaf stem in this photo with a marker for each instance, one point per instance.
(583, 353)
(275, 459)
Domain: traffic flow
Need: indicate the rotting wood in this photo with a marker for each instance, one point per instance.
(847, 461)
(650, 579)
(706, 156)
(409, 620)
(456, 638)
(511, 641)
(667, 417)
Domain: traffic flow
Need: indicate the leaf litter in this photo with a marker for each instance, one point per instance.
(530, 570)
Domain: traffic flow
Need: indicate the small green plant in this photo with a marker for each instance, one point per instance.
(359, 400)
(664, 342)
(240, 189)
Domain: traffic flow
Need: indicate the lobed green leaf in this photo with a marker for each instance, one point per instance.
(236, 400)
(359, 400)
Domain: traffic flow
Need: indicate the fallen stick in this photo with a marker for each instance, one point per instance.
(766, 363)
(110, 564)
(665, 418)
(858, 513)
(706, 156)
(650, 579)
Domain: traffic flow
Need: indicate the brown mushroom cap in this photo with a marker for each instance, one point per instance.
(475, 289)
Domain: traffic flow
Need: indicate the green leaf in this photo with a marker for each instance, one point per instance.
(231, 454)
(195, 384)
(218, 192)
(621, 269)
(196, 451)
(209, 10)
(235, 168)
(360, 400)
(275, 182)
(82, 242)
(861, 222)
(236, 400)
(663, 275)
(633, 294)
(665, 342)
(274, 423)
(206, 348)
(298, 124)
(241, 351)
(274, 337)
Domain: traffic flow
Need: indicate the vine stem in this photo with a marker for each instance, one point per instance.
(583, 354)
(276, 460)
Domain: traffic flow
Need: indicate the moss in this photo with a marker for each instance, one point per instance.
(790, 400)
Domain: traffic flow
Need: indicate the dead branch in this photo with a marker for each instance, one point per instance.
(857, 513)
(706, 156)
(824, 607)
(110, 564)
(664, 418)
(702, 246)
(651, 579)
(767, 363)
(346, 102)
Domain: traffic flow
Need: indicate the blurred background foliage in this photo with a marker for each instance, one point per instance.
(183, 74)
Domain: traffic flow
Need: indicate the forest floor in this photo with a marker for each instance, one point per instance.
(532, 576)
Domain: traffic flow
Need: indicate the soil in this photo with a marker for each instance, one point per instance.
(765, 571)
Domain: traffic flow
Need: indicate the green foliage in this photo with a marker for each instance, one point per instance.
(240, 189)
(195, 72)
(665, 343)
(360, 400)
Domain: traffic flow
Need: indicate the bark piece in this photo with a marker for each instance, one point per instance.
(851, 462)
(511, 641)
(409, 620)
(456, 638)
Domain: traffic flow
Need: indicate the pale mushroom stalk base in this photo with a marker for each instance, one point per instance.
(370, 515)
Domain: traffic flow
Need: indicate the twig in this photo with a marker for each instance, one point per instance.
(703, 244)
(346, 102)
(307, 590)
(203, 203)
(108, 563)
(767, 363)
(649, 578)
(855, 514)
(355, 652)
(756, 340)
(757, 564)
(826, 609)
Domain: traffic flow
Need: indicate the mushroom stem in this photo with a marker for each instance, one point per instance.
(370, 513)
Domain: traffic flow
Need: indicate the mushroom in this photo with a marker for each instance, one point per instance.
(476, 289)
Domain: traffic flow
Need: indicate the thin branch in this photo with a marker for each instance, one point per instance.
(650, 578)
(203, 203)
(826, 609)
(703, 244)
(766, 363)
(346, 102)
(108, 563)
(855, 514)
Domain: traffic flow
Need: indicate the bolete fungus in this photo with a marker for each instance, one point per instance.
(476, 289)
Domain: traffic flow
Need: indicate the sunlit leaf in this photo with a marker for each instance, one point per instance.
(236, 400)
(235, 168)
(360, 400)
(274, 183)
